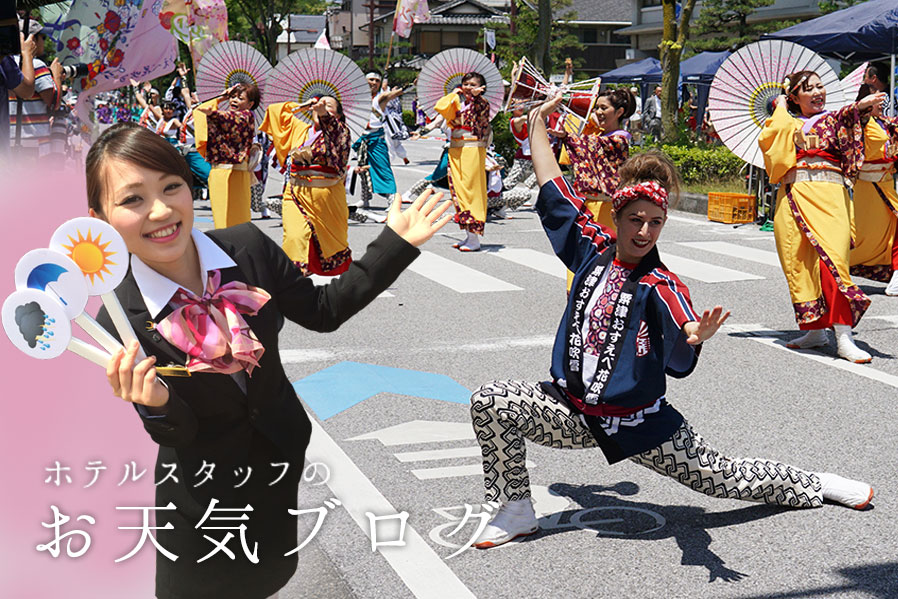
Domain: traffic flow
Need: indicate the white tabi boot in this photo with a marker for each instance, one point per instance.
(514, 519)
(853, 493)
(813, 338)
(846, 347)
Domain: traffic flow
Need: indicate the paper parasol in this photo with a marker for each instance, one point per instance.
(101, 254)
(37, 324)
(229, 63)
(443, 73)
(59, 276)
(745, 83)
(318, 72)
(851, 84)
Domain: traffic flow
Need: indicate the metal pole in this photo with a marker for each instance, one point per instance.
(892, 90)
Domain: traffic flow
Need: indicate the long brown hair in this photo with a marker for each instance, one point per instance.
(132, 143)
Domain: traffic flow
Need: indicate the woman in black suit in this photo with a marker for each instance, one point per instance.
(215, 302)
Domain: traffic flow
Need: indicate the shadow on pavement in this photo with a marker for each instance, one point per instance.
(688, 525)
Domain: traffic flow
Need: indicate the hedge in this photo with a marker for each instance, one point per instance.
(701, 164)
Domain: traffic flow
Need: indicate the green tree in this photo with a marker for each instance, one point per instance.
(673, 37)
(723, 24)
(562, 41)
(256, 21)
(828, 6)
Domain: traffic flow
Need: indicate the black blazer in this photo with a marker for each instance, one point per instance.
(209, 417)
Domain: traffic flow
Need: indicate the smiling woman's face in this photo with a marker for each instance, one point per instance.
(151, 210)
(811, 96)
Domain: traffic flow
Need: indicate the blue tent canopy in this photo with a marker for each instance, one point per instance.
(633, 72)
(862, 31)
(698, 69)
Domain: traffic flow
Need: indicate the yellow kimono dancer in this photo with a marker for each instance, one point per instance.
(225, 139)
(815, 157)
(875, 252)
(468, 115)
(314, 211)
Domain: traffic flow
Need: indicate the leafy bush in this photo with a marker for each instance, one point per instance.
(408, 117)
(503, 140)
(700, 164)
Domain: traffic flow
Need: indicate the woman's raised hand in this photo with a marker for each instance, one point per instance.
(136, 384)
(548, 107)
(420, 221)
(699, 331)
(870, 101)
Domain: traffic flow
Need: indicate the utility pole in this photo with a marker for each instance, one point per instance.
(513, 27)
(370, 6)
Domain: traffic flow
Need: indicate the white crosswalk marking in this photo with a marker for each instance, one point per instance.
(541, 261)
(736, 251)
(702, 271)
(457, 277)
(438, 454)
(454, 471)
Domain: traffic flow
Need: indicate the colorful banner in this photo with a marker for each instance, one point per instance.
(409, 12)
(322, 42)
(116, 41)
(200, 24)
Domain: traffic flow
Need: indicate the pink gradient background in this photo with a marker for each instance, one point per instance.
(63, 410)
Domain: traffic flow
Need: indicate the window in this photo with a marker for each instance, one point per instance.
(588, 36)
(430, 42)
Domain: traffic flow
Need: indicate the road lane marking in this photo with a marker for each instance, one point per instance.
(457, 277)
(453, 471)
(762, 334)
(438, 454)
(735, 251)
(702, 271)
(420, 431)
(416, 563)
(541, 261)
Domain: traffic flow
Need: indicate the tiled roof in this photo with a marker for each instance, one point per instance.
(602, 11)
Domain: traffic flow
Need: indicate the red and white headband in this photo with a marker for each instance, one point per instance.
(651, 191)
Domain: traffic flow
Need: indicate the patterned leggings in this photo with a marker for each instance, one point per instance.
(504, 413)
(521, 171)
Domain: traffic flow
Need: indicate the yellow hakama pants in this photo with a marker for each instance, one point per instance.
(229, 193)
(875, 221)
(316, 231)
(467, 181)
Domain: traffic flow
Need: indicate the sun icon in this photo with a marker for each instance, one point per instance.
(90, 255)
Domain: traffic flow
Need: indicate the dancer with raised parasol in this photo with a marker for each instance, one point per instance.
(815, 155)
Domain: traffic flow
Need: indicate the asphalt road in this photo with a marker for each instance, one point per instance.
(388, 390)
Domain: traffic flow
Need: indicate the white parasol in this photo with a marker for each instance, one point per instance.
(312, 72)
(443, 73)
(745, 83)
(851, 84)
(230, 63)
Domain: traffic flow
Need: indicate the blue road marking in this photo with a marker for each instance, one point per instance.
(341, 386)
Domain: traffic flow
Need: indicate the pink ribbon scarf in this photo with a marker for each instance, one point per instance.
(211, 330)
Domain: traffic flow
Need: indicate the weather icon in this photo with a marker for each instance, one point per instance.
(98, 250)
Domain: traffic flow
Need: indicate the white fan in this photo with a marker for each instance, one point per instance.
(230, 63)
(851, 84)
(746, 82)
(443, 73)
(316, 72)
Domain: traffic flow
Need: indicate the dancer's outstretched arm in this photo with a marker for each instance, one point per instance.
(544, 164)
